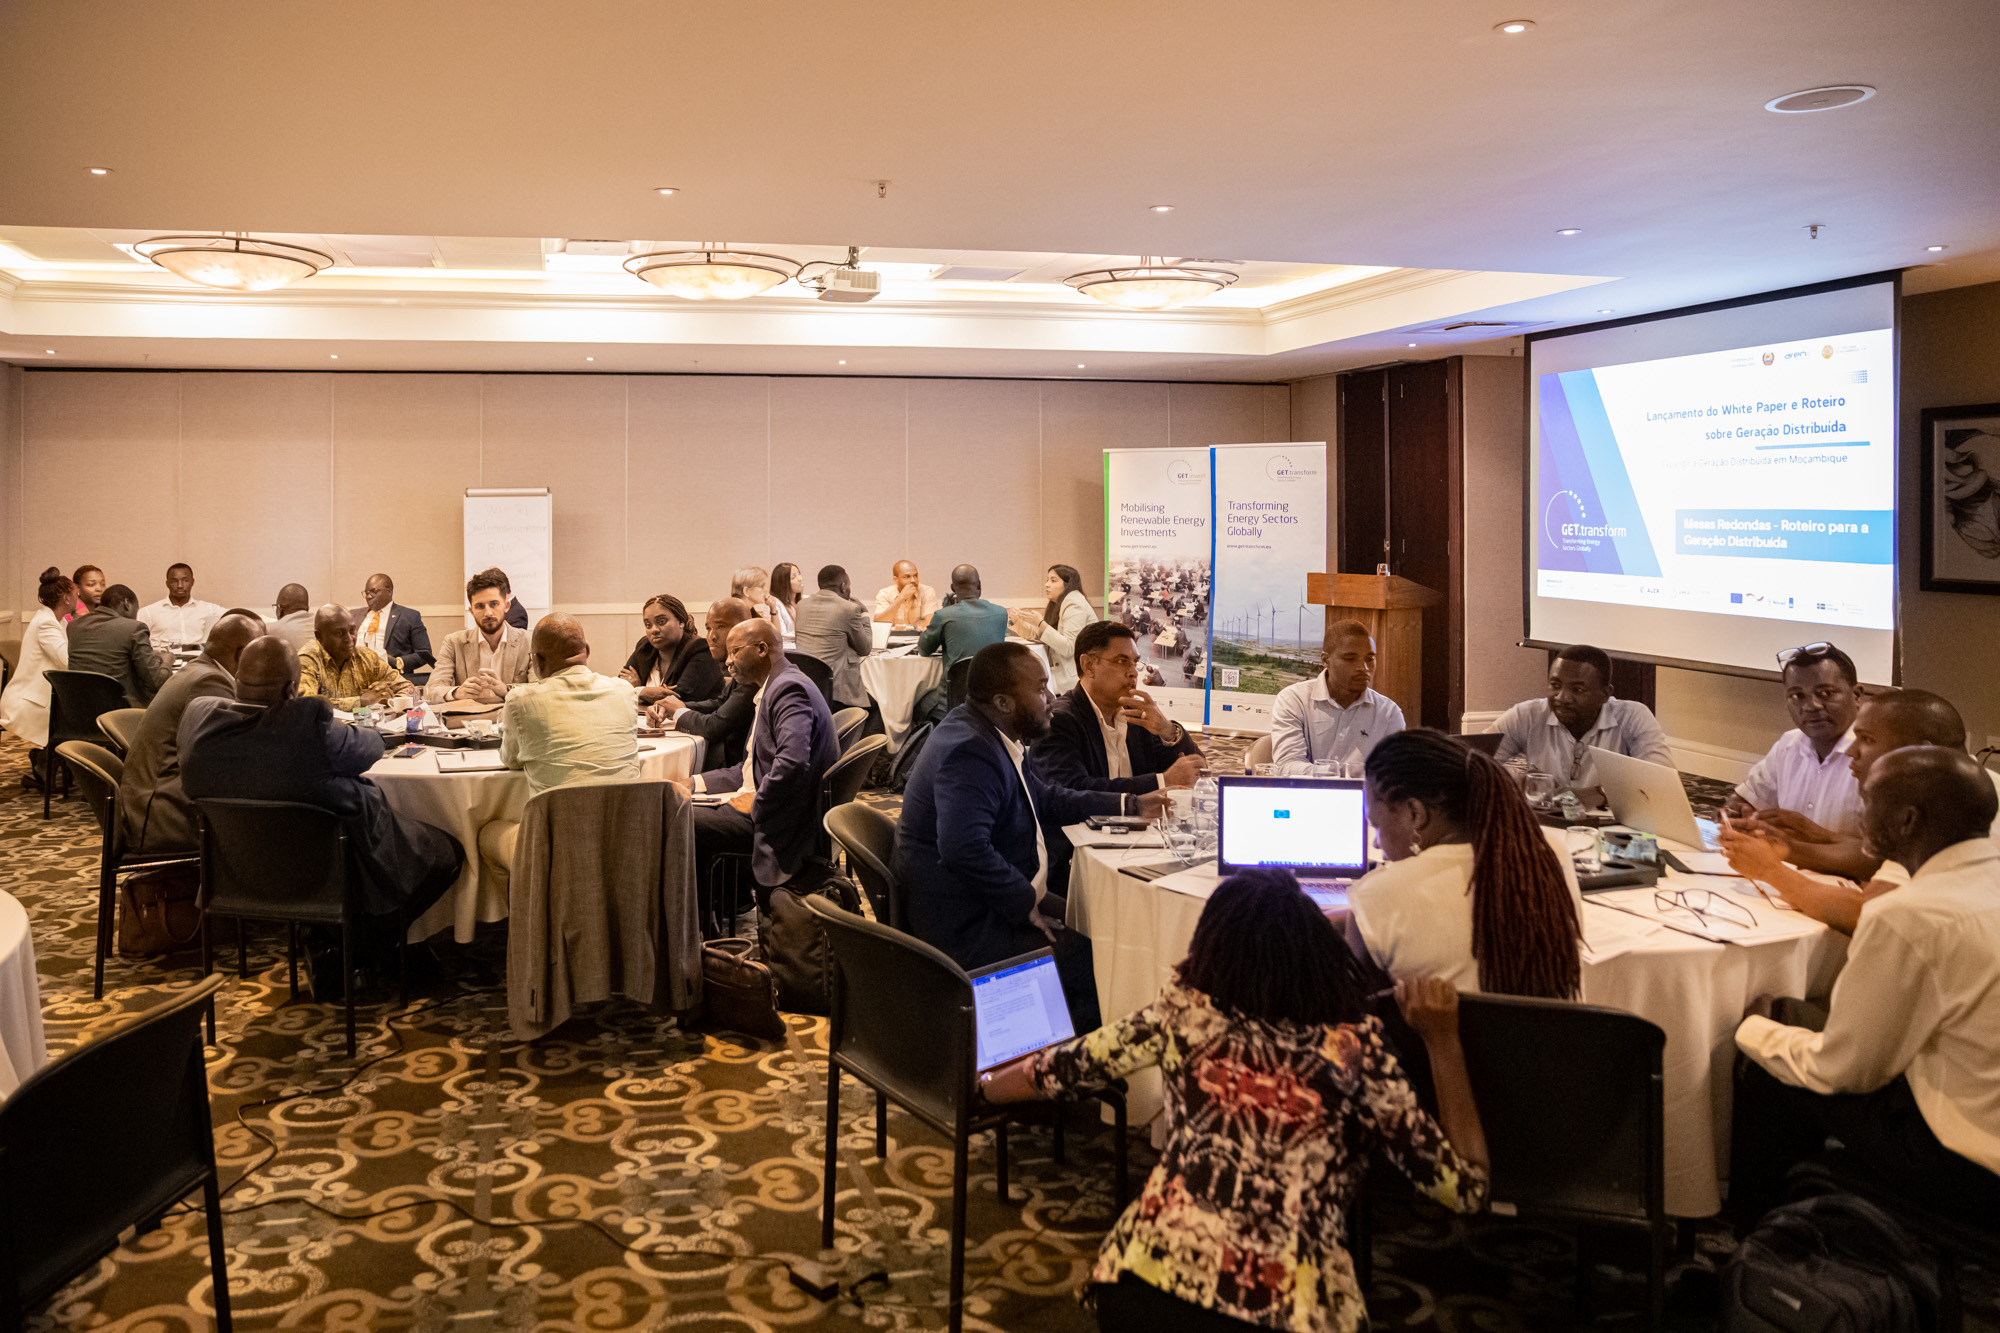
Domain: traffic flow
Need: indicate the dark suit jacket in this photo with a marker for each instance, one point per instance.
(1072, 755)
(406, 642)
(155, 813)
(965, 843)
(692, 673)
(723, 721)
(517, 615)
(120, 648)
(791, 747)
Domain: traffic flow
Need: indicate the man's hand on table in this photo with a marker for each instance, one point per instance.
(484, 687)
(1150, 803)
(1753, 851)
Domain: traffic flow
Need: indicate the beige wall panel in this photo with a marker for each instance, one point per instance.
(840, 479)
(1314, 414)
(1205, 414)
(17, 594)
(405, 448)
(85, 430)
(1277, 400)
(1079, 422)
(975, 481)
(697, 505)
(609, 645)
(565, 432)
(1497, 673)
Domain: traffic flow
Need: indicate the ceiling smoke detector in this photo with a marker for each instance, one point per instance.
(1820, 99)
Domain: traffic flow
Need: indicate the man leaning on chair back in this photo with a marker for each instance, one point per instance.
(155, 813)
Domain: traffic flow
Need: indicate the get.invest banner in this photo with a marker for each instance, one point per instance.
(1156, 554)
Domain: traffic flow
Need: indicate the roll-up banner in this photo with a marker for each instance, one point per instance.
(1156, 562)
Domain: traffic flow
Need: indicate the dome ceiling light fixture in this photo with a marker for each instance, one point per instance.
(1151, 284)
(1828, 98)
(234, 262)
(713, 273)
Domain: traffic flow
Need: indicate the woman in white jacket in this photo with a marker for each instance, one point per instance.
(24, 707)
(1055, 626)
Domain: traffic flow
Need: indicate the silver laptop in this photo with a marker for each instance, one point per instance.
(1317, 828)
(1650, 798)
(1018, 1007)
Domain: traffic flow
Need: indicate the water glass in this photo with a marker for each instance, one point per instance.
(1586, 850)
(1266, 770)
(1540, 789)
(1329, 768)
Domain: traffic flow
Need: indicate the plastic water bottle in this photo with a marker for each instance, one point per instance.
(1207, 803)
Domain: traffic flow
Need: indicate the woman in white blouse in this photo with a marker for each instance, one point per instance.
(1056, 624)
(786, 593)
(24, 707)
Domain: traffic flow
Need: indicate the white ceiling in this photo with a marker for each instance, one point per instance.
(1310, 134)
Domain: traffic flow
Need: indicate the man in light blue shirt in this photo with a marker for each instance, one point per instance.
(1334, 717)
(1554, 735)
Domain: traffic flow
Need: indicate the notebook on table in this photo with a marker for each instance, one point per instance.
(1018, 1008)
(1317, 828)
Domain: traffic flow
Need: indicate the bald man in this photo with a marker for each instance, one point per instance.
(396, 632)
(722, 720)
(295, 616)
(156, 816)
(967, 623)
(1906, 1073)
(908, 602)
(336, 668)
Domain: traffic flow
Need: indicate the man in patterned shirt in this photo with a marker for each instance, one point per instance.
(341, 671)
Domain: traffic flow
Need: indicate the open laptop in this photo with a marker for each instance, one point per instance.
(1317, 828)
(1018, 1007)
(1650, 798)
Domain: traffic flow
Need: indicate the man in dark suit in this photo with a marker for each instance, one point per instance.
(155, 812)
(772, 806)
(396, 632)
(970, 853)
(722, 720)
(110, 641)
(836, 629)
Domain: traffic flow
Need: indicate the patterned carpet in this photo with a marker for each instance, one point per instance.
(620, 1174)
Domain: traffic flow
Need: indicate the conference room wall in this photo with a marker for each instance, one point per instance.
(661, 483)
(11, 574)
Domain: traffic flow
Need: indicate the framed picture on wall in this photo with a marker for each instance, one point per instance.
(1961, 499)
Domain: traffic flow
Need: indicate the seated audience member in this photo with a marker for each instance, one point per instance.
(270, 744)
(571, 727)
(773, 807)
(1269, 997)
(1055, 626)
(1334, 717)
(786, 594)
(1555, 735)
(1474, 891)
(396, 632)
(109, 640)
(1888, 720)
(90, 589)
(671, 659)
(970, 623)
(294, 623)
(752, 584)
(971, 856)
(24, 705)
(179, 620)
(1906, 1073)
(908, 602)
(1806, 781)
(515, 614)
(485, 662)
(833, 627)
(723, 719)
(156, 816)
(334, 667)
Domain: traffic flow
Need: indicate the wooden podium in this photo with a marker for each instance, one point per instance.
(1392, 608)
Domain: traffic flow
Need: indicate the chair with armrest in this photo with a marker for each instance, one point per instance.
(122, 726)
(76, 700)
(1258, 753)
(847, 724)
(869, 838)
(818, 672)
(107, 1137)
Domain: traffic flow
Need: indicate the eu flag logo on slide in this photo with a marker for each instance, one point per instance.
(1281, 814)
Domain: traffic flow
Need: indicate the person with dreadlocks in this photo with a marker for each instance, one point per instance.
(1473, 891)
(1280, 1088)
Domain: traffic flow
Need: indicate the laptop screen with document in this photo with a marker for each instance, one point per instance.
(1018, 1007)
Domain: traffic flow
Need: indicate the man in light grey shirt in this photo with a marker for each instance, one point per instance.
(1334, 717)
(294, 623)
(835, 628)
(1555, 735)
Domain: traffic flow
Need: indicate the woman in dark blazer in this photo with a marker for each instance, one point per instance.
(672, 658)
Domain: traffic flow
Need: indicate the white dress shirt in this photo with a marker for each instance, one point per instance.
(1308, 727)
(1015, 752)
(1624, 726)
(1117, 759)
(375, 628)
(187, 625)
(1792, 777)
(1919, 996)
(574, 727)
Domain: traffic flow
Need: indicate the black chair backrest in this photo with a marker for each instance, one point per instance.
(277, 857)
(1571, 1098)
(818, 672)
(869, 838)
(122, 726)
(76, 700)
(1486, 742)
(901, 1014)
(101, 1139)
(850, 772)
(955, 682)
(847, 724)
(98, 772)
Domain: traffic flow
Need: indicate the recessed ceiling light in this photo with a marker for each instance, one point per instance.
(334, 357)
(1514, 27)
(1935, 249)
(1163, 208)
(1413, 344)
(590, 358)
(1820, 99)
(52, 351)
(1604, 312)
(1568, 231)
(843, 363)
(666, 189)
(100, 171)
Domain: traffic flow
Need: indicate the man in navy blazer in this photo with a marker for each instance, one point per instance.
(971, 856)
(396, 632)
(772, 810)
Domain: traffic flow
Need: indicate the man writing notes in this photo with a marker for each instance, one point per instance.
(722, 720)
(335, 667)
(1335, 717)
(179, 620)
(833, 627)
(396, 632)
(907, 602)
(1805, 786)
(485, 662)
(1555, 735)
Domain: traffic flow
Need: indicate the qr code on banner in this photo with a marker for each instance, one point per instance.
(1228, 678)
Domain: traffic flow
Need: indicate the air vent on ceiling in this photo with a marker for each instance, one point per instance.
(597, 247)
(964, 274)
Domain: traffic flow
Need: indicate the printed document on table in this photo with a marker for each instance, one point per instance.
(1743, 916)
(469, 761)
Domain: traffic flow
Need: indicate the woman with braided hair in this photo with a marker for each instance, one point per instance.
(1474, 891)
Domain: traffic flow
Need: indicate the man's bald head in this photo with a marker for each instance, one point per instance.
(335, 632)
(267, 671)
(724, 616)
(755, 650)
(1917, 717)
(965, 583)
(292, 598)
(1921, 799)
(559, 644)
(229, 636)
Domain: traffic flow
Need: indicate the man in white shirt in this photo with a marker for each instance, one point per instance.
(907, 603)
(1808, 773)
(1555, 735)
(1334, 717)
(1906, 1073)
(178, 620)
(485, 662)
(293, 613)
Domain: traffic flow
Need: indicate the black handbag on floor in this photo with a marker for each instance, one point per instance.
(1834, 1263)
(794, 943)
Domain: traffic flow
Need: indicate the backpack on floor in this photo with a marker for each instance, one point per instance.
(793, 942)
(906, 758)
(1834, 1263)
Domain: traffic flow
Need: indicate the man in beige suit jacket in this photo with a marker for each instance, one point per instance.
(483, 663)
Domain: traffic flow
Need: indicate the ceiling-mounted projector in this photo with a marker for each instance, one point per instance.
(849, 284)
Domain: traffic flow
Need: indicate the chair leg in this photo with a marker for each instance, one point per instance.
(107, 914)
(48, 779)
(218, 1256)
(1656, 1276)
(347, 976)
(830, 1185)
(1057, 1147)
(956, 1320)
(242, 947)
(402, 959)
(1122, 1168)
(292, 956)
(1000, 1162)
(882, 1125)
(208, 969)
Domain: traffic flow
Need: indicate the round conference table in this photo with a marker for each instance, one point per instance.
(896, 678)
(463, 803)
(1696, 990)
(23, 1049)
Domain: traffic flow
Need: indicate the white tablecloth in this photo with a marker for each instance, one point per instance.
(462, 803)
(895, 681)
(1695, 990)
(22, 1048)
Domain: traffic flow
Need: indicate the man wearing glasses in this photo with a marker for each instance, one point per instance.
(1806, 781)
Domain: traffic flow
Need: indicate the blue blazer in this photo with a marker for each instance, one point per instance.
(965, 844)
(405, 638)
(792, 746)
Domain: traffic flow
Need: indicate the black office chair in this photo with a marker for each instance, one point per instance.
(849, 774)
(955, 683)
(76, 700)
(869, 838)
(283, 861)
(902, 1022)
(98, 772)
(847, 725)
(818, 672)
(107, 1137)
(121, 727)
